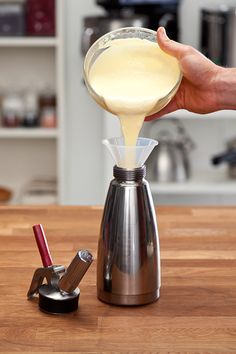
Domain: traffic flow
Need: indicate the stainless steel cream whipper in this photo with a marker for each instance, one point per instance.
(128, 261)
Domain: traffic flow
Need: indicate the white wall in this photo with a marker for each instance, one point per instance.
(84, 117)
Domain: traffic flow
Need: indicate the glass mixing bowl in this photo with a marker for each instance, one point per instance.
(104, 43)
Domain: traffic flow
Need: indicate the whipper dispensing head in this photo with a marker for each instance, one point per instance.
(130, 157)
(60, 293)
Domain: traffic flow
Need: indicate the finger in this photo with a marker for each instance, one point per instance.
(171, 107)
(167, 45)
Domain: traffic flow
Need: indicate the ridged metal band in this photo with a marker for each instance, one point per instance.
(125, 175)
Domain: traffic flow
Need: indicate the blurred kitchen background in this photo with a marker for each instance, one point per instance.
(51, 130)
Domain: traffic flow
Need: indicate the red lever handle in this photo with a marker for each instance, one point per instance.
(42, 245)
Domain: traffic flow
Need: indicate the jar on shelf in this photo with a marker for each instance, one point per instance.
(12, 110)
(12, 19)
(47, 105)
(48, 117)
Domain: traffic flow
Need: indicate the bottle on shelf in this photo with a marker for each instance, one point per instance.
(47, 104)
(12, 110)
(31, 115)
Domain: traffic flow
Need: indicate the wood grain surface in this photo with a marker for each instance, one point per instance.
(195, 314)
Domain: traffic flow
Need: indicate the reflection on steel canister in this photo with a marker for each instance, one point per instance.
(128, 271)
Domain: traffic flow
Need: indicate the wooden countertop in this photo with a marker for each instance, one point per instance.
(195, 314)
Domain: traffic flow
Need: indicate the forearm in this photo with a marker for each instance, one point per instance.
(225, 86)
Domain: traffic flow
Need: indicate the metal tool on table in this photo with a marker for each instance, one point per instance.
(60, 293)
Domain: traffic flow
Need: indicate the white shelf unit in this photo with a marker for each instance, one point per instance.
(27, 133)
(29, 42)
(28, 153)
(202, 182)
(208, 184)
(204, 187)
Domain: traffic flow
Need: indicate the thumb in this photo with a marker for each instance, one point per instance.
(167, 45)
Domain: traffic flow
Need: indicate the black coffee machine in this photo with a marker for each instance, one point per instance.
(159, 12)
(128, 13)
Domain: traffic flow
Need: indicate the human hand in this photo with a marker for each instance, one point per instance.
(198, 89)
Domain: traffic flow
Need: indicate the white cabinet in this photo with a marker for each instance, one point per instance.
(28, 153)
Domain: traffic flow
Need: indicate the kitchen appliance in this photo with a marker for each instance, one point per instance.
(95, 27)
(127, 13)
(170, 161)
(128, 265)
(61, 293)
(218, 34)
(231, 38)
(228, 157)
(12, 19)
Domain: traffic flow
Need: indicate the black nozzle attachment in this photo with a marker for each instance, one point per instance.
(228, 157)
